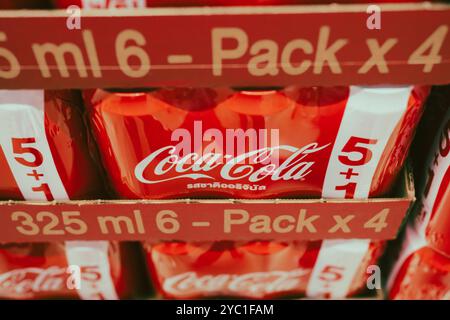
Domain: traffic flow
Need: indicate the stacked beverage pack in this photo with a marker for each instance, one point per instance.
(338, 143)
(230, 143)
(44, 156)
(171, 143)
(422, 270)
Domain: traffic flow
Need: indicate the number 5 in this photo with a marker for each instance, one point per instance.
(71, 218)
(18, 148)
(331, 274)
(356, 145)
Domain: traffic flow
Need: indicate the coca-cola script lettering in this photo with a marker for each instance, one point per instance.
(24, 283)
(257, 284)
(194, 166)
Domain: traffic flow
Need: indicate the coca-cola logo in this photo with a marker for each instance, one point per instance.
(251, 155)
(25, 283)
(437, 177)
(257, 284)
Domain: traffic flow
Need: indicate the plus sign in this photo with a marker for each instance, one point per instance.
(349, 173)
(36, 175)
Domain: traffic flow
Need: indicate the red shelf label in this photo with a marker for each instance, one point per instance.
(305, 45)
(202, 221)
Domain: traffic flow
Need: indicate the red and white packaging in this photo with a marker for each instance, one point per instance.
(261, 270)
(44, 156)
(70, 270)
(420, 273)
(422, 270)
(222, 143)
(434, 219)
(335, 142)
(44, 153)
